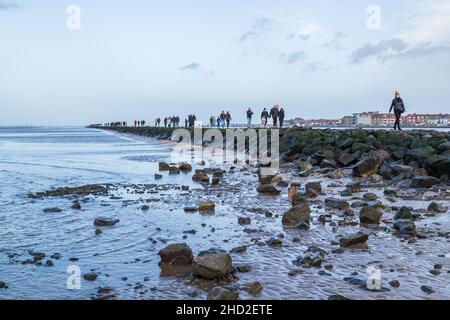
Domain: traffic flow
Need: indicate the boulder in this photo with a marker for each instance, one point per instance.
(313, 257)
(174, 170)
(304, 165)
(200, 177)
(337, 204)
(369, 215)
(158, 176)
(178, 254)
(443, 167)
(274, 243)
(207, 206)
(268, 189)
(91, 276)
(370, 197)
(254, 288)
(76, 205)
(52, 210)
(404, 213)
(346, 159)
(105, 222)
(244, 221)
(314, 186)
(437, 207)
(223, 293)
(212, 264)
(297, 214)
(355, 240)
(185, 167)
(424, 182)
(367, 166)
(405, 227)
(3, 285)
(164, 166)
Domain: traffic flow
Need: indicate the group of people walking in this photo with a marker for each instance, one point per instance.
(224, 119)
(276, 113)
(169, 122)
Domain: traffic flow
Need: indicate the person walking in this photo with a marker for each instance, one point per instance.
(219, 122)
(212, 121)
(222, 118)
(274, 115)
(249, 117)
(264, 117)
(228, 119)
(399, 107)
(281, 116)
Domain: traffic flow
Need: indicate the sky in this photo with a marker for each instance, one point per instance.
(139, 59)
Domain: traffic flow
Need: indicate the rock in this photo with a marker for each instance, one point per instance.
(405, 227)
(355, 187)
(240, 249)
(404, 213)
(304, 165)
(158, 176)
(367, 166)
(337, 297)
(200, 177)
(299, 213)
(52, 210)
(91, 276)
(164, 166)
(76, 205)
(326, 163)
(243, 268)
(370, 197)
(437, 207)
(346, 159)
(274, 243)
(394, 284)
(268, 189)
(424, 182)
(369, 215)
(174, 170)
(207, 206)
(313, 257)
(105, 222)
(337, 204)
(190, 209)
(185, 167)
(443, 167)
(212, 264)
(254, 288)
(178, 254)
(98, 232)
(314, 186)
(3, 285)
(354, 240)
(223, 293)
(145, 208)
(185, 188)
(244, 221)
(427, 289)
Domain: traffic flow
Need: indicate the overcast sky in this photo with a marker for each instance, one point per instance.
(142, 59)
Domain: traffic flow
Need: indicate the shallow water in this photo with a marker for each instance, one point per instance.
(39, 159)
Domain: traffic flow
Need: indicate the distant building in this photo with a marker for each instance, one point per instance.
(365, 119)
(347, 121)
(383, 120)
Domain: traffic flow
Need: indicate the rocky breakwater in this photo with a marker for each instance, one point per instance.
(417, 158)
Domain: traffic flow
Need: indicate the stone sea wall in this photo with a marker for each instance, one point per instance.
(393, 155)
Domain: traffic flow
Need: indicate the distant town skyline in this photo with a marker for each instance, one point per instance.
(81, 62)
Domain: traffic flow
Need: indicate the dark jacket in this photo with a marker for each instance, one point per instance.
(274, 113)
(264, 114)
(249, 113)
(281, 114)
(398, 105)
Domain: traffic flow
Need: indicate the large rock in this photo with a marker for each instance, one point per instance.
(164, 166)
(105, 222)
(314, 186)
(437, 207)
(369, 215)
(207, 206)
(355, 240)
(268, 189)
(424, 182)
(178, 254)
(337, 204)
(304, 165)
(223, 293)
(299, 214)
(368, 166)
(405, 227)
(404, 213)
(200, 177)
(346, 159)
(212, 264)
(443, 167)
(313, 257)
(185, 167)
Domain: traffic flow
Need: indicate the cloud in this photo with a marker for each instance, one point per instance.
(336, 40)
(259, 27)
(295, 57)
(191, 67)
(10, 5)
(395, 48)
(306, 32)
(300, 57)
